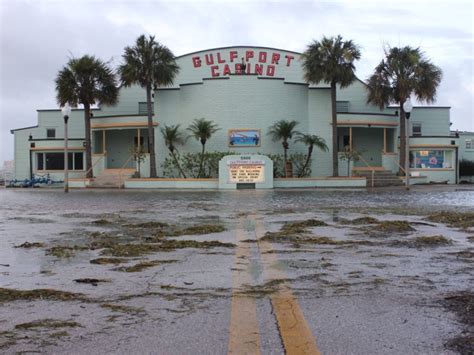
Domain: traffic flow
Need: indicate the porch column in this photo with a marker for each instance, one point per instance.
(103, 141)
(385, 140)
(350, 139)
(139, 138)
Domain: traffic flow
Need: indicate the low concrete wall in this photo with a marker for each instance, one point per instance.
(148, 183)
(79, 183)
(320, 182)
(437, 175)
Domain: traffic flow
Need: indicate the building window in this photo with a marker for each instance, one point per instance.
(55, 161)
(416, 129)
(431, 159)
(50, 133)
(469, 144)
(342, 106)
(142, 110)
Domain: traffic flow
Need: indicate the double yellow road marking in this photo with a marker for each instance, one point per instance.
(294, 331)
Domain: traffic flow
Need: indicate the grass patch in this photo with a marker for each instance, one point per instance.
(144, 265)
(47, 323)
(147, 225)
(28, 245)
(123, 309)
(463, 220)
(10, 295)
(107, 261)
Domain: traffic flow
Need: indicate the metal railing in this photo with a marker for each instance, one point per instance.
(396, 162)
(93, 165)
(371, 168)
(123, 167)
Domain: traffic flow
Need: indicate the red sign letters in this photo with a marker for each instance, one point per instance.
(252, 62)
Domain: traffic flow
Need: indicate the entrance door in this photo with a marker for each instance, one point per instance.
(119, 148)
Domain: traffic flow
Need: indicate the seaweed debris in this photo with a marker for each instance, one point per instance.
(105, 261)
(48, 323)
(144, 265)
(10, 295)
(462, 220)
(28, 245)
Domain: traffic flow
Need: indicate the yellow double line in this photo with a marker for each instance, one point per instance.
(294, 331)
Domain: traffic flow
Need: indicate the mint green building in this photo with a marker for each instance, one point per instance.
(244, 102)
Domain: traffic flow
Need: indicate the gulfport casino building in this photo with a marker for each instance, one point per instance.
(245, 103)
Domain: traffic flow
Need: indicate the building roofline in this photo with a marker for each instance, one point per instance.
(239, 46)
(419, 106)
(20, 129)
(58, 109)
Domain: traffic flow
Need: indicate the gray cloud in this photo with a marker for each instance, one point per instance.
(38, 37)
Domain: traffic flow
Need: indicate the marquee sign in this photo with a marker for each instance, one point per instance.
(246, 170)
(255, 62)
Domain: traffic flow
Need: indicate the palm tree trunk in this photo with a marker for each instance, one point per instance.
(335, 156)
(177, 164)
(151, 133)
(87, 122)
(308, 158)
(403, 138)
(285, 158)
(202, 161)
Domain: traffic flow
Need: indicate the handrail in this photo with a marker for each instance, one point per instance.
(370, 167)
(396, 162)
(120, 171)
(98, 160)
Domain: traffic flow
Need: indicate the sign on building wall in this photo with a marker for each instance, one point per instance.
(244, 138)
(237, 62)
(246, 171)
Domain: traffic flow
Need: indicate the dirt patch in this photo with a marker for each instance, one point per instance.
(463, 220)
(10, 295)
(462, 304)
(48, 324)
(144, 265)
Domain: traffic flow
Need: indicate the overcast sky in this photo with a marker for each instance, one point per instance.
(38, 37)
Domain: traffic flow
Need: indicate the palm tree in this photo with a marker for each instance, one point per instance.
(283, 130)
(202, 130)
(148, 64)
(403, 72)
(87, 81)
(331, 61)
(173, 136)
(310, 140)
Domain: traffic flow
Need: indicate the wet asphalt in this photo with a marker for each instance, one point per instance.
(379, 298)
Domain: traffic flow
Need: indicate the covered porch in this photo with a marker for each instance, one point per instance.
(375, 143)
(114, 144)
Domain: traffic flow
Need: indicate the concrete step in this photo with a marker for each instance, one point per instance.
(112, 178)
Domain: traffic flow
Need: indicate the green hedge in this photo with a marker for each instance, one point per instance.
(190, 164)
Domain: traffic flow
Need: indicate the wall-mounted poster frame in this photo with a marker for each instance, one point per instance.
(241, 138)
